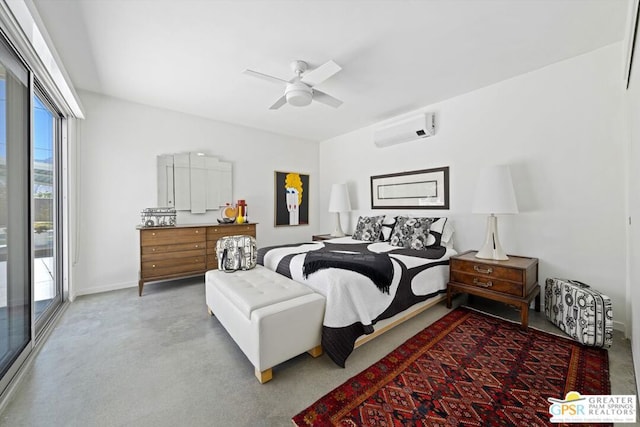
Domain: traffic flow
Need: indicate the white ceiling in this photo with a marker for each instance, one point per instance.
(396, 56)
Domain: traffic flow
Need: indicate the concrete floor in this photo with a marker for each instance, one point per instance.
(115, 359)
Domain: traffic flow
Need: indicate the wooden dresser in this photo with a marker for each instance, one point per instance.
(182, 251)
(513, 281)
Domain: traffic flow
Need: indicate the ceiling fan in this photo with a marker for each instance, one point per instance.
(300, 90)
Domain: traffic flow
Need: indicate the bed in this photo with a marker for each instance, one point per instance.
(369, 286)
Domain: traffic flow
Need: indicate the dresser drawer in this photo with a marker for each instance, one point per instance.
(168, 256)
(167, 236)
(487, 270)
(161, 249)
(215, 233)
(212, 263)
(488, 283)
(173, 266)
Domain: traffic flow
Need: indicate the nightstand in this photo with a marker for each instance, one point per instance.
(319, 237)
(513, 281)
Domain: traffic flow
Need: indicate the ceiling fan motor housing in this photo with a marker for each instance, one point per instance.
(298, 94)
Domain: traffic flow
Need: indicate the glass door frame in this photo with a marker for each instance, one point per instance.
(20, 358)
(39, 324)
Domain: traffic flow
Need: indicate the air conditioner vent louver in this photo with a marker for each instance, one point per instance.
(410, 129)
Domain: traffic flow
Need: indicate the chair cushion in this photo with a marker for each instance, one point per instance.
(259, 287)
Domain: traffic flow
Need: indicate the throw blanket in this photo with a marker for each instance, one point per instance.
(376, 267)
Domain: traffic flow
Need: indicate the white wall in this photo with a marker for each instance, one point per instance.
(116, 178)
(560, 129)
(633, 114)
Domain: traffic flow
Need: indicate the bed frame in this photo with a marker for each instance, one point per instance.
(387, 324)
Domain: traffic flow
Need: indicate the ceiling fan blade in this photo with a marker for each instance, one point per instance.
(326, 99)
(264, 76)
(279, 103)
(320, 74)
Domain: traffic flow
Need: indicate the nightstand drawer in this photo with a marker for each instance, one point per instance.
(487, 270)
(489, 283)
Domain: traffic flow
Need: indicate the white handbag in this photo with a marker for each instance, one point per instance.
(236, 253)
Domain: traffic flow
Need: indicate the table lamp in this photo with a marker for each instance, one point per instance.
(494, 195)
(339, 202)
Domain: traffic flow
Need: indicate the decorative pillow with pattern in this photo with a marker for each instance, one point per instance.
(440, 232)
(369, 228)
(387, 227)
(411, 232)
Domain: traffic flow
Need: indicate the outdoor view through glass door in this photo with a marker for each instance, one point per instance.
(46, 289)
(15, 284)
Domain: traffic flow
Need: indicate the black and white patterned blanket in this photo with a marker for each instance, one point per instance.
(355, 288)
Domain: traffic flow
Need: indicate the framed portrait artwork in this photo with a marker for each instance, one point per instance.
(291, 198)
(421, 189)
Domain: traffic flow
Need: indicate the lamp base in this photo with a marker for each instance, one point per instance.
(492, 248)
(338, 230)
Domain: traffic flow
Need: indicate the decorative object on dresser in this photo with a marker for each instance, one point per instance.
(583, 313)
(291, 198)
(243, 216)
(158, 217)
(339, 202)
(467, 368)
(513, 281)
(494, 195)
(183, 250)
(421, 189)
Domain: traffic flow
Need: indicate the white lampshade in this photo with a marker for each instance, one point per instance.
(494, 192)
(339, 199)
(494, 195)
(339, 202)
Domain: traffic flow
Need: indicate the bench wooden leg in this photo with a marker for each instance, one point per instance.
(316, 351)
(264, 376)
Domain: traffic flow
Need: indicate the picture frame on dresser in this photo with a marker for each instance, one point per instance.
(420, 189)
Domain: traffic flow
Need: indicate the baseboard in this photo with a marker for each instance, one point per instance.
(105, 288)
(620, 326)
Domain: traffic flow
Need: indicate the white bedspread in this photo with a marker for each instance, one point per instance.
(352, 297)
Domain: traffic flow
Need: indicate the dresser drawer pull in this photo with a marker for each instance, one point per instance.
(482, 284)
(153, 266)
(196, 246)
(197, 231)
(483, 270)
(153, 250)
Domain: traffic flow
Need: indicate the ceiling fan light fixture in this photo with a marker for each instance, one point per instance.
(298, 94)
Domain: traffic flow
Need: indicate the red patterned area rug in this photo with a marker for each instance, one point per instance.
(466, 369)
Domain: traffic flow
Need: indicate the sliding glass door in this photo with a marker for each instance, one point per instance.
(47, 290)
(30, 195)
(15, 247)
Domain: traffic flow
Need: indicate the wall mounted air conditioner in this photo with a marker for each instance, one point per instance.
(408, 129)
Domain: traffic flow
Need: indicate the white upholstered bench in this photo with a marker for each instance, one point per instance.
(270, 317)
